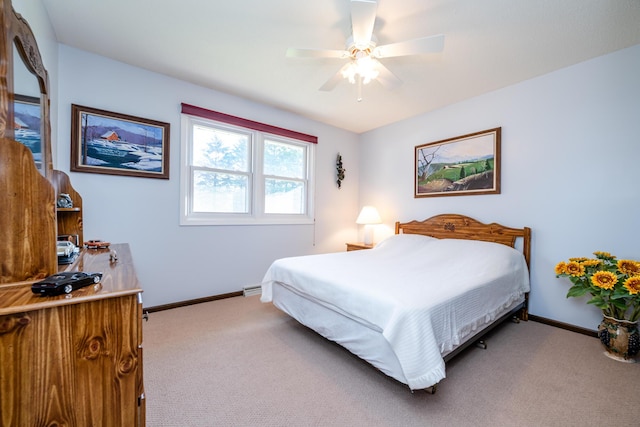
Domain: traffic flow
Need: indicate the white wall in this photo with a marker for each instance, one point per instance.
(570, 154)
(177, 263)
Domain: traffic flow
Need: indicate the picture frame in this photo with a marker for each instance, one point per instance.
(460, 166)
(27, 122)
(118, 144)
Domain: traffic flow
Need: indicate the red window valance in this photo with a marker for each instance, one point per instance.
(250, 124)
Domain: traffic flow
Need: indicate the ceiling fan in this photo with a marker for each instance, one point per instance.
(364, 54)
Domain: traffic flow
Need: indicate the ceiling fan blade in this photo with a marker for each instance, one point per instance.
(431, 44)
(334, 80)
(363, 16)
(386, 78)
(316, 53)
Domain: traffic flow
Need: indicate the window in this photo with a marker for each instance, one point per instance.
(235, 171)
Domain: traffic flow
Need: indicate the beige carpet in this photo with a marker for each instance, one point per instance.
(238, 362)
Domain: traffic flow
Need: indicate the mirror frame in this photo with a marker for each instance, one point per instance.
(19, 34)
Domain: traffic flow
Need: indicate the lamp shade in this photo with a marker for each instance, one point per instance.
(369, 215)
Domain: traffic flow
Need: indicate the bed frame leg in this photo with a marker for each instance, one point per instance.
(432, 389)
(481, 344)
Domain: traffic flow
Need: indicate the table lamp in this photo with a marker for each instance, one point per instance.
(368, 217)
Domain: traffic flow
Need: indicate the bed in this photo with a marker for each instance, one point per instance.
(416, 299)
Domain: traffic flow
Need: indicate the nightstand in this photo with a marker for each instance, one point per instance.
(358, 246)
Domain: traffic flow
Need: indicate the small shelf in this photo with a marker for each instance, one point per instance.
(69, 220)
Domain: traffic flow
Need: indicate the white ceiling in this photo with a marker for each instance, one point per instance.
(238, 47)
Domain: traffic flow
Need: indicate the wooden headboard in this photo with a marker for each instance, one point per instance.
(454, 226)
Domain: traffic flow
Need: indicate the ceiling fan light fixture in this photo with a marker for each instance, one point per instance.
(363, 68)
(363, 52)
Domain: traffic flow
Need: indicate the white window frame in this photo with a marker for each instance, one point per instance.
(256, 187)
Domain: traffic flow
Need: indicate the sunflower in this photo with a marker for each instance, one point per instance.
(633, 285)
(629, 267)
(604, 279)
(591, 263)
(601, 254)
(574, 268)
(614, 285)
(578, 259)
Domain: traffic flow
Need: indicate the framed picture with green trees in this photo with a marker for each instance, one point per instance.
(460, 166)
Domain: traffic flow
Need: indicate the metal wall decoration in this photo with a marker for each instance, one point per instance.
(339, 171)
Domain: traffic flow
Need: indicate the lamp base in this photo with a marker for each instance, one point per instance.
(368, 234)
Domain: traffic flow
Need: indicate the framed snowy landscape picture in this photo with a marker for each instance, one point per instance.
(26, 125)
(464, 165)
(118, 144)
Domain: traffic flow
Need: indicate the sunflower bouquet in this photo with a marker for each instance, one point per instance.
(614, 285)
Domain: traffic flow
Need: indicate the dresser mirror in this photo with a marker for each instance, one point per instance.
(26, 110)
(25, 96)
(29, 219)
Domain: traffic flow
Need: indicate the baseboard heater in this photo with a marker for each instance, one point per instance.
(252, 290)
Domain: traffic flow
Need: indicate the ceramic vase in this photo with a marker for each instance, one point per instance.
(620, 339)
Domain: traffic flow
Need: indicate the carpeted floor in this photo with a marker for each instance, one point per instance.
(238, 362)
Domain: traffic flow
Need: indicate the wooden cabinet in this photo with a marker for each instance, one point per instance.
(358, 246)
(76, 359)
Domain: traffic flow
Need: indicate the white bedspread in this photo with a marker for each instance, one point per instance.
(424, 295)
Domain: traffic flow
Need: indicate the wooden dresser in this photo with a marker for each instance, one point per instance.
(76, 359)
(71, 360)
